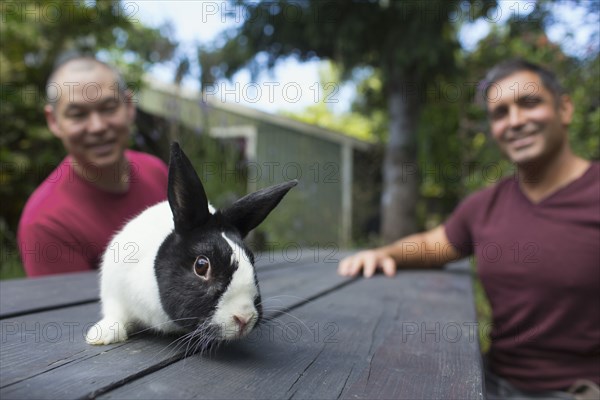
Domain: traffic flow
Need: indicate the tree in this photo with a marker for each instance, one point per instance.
(407, 43)
(32, 35)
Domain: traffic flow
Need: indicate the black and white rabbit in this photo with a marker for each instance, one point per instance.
(192, 271)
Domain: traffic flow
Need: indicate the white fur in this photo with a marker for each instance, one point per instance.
(238, 299)
(128, 285)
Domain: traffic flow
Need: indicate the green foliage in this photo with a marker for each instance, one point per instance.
(219, 164)
(483, 310)
(351, 124)
(584, 87)
(33, 34)
(394, 36)
(370, 128)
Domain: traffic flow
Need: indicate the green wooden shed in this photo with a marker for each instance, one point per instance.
(319, 212)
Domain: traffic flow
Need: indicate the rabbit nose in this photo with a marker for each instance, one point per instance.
(241, 321)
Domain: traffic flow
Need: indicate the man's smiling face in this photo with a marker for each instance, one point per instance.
(90, 116)
(527, 121)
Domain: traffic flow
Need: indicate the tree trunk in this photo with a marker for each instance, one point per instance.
(400, 169)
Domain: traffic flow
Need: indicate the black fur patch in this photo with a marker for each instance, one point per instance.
(187, 299)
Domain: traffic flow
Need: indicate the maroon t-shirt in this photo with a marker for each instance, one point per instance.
(540, 266)
(67, 222)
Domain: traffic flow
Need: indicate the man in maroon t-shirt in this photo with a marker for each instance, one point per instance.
(535, 237)
(70, 218)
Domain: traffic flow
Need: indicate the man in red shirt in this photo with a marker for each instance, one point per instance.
(535, 238)
(70, 218)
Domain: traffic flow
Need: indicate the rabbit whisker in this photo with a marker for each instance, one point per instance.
(161, 324)
(187, 338)
(206, 340)
(177, 344)
(199, 333)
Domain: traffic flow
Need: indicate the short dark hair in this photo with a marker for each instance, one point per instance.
(69, 56)
(509, 67)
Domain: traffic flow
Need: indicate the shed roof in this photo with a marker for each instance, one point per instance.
(248, 112)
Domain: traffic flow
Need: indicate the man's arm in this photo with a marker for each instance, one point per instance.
(430, 249)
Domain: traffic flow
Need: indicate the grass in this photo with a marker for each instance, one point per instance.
(10, 262)
(483, 311)
(10, 265)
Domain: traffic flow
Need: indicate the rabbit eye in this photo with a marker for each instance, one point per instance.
(202, 267)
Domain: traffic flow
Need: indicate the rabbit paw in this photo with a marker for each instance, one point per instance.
(106, 332)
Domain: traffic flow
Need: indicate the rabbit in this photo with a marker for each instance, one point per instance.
(190, 271)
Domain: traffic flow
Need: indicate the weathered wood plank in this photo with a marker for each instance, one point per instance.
(30, 362)
(35, 343)
(285, 288)
(356, 342)
(37, 294)
(433, 345)
(294, 255)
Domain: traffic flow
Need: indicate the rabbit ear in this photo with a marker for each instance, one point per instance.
(249, 211)
(186, 194)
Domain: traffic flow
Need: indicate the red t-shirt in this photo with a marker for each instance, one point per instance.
(540, 266)
(67, 222)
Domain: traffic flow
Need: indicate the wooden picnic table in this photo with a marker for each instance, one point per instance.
(324, 337)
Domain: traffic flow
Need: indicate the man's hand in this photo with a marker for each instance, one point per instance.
(430, 249)
(369, 261)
